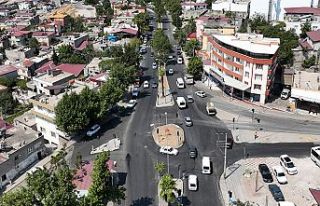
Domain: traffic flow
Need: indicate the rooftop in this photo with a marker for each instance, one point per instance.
(314, 35)
(230, 6)
(53, 76)
(6, 69)
(302, 10)
(27, 119)
(75, 69)
(255, 43)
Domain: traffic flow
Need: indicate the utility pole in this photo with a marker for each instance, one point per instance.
(225, 157)
(252, 116)
(168, 162)
(166, 114)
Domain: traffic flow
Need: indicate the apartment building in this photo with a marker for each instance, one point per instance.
(243, 64)
(19, 148)
(240, 7)
(295, 17)
(43, 109)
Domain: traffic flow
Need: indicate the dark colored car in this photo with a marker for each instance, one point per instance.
(193, 152)
(265, 173)
(276, 192)
(154, 84)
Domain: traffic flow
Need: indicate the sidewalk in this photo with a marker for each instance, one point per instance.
(167, 99)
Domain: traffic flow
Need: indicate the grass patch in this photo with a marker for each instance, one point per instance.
(11, 117)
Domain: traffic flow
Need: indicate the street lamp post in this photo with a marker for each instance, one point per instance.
(225, 157)
(166, 114)
(179, 165)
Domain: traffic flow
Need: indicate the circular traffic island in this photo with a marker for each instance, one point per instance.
(168, 135)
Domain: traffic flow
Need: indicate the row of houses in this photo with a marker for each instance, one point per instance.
(34, 134)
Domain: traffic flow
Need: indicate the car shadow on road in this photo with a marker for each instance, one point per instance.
(143, 201)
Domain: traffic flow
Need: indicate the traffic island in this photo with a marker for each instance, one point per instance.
(168, 135)
(164, 98)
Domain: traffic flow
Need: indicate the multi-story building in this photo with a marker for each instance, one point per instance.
(19, 148)
(43, 109)
(243, 64)
(239, 7)
(193, 6)
(296, 17)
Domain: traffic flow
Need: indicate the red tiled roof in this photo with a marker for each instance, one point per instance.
(82, 179)
(83, 45)
(44, 68)
(130, 31)
(304, 44)
(40, 33)
(75, 69)
(192, 35)
(6, 69)
(28, 63)
(316, 195)
(20, 33)
(302, 10)
(314, 35)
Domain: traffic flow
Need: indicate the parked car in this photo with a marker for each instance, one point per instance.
(152, 54)
(288, 165)
(201, 94)
(131, 104)
(168, 150)
(193, 182)
(154, 84)
(170, 71)
(180, 60)
(276, 192)
(265, 173)
(285, 94)
(190, 98)
(193, 152)
(188, 121)
(93, 130)
(145, 84)
(34, 169)
(154, 65)
(279, 174)
(135, 92)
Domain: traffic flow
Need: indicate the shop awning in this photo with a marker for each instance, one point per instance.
(306, 95)
(225, 79)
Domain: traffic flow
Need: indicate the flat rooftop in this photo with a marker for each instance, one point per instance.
(255, 43)
(53, 78)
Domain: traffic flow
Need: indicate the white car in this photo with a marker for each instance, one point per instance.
(193, 182)
(280, 175)
(170, 71)
(288, 165)
(154, 65)
(201, 94)
(179, 60)
(131, 104)
(145, 84)
(168, 150)
(93, 130)
(34, 169)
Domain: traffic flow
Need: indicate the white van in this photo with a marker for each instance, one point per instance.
(180, 83)
(181, 102)
(206, 165)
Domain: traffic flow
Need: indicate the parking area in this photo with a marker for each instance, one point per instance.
(246, 183)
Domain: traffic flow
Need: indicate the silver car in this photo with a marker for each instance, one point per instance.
(188, 121)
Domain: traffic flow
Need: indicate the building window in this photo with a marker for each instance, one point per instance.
(237, 59)
(258, 77)
(53, 134)
(42, 129)
(247, 64)
(16, 157)
(41, 85)
(236, 78)
(257, 86)
(4, 177)
(236, 69)
(246, 83)
(246, 74)
(259, 66)
(30, 149)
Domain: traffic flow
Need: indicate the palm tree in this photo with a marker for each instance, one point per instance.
(167, 186)
(162, 72)
(195, 45)
(160, 167)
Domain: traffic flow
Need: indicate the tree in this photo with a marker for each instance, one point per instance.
(8, 82)
(124, 75)
(68, 55)
(190, 27)
(159, 9)
(308, 62)
(176, 20)
(102, 189)
(257, 22)
(75, 24)
(191, 46)
(91, 2)
(142, 21)
(19, 197)
(195, 67)
(160, 167)
(34, 44)
(162, 72)
(306, 27)
(209, 3)
(105, 10)
(180, 36)
(167, 186)
(22, 84)
(55, 57)
(7, 103)
(173, 6)
(239, 203)
(161, 45)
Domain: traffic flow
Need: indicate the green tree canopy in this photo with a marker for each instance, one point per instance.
(7, 103)
(102, 189)
(176, 20)
(159, 9)
(308, 62)
(180, 36)
(173, 6)
(191, 47)
(190, 27)
(142, 21)
(306, 27)
(34, 44)
(167, 186)
(195, 67)
(161, 45)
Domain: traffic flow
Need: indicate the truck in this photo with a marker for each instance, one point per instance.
(211, 109)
